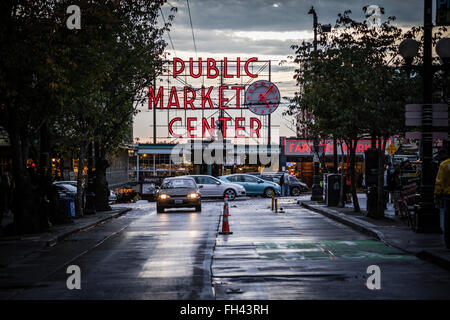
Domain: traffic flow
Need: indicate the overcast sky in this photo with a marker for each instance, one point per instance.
(259, 28)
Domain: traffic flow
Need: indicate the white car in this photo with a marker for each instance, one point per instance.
(213, 187)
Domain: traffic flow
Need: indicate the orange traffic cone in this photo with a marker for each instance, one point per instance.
(226, 214)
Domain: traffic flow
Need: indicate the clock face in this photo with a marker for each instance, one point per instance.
(262, 97)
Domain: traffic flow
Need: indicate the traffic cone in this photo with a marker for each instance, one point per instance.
(225, 215)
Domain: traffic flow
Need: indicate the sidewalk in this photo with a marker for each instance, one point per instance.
(15, 248)
(390, 230)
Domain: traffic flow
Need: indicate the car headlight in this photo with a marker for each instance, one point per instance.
(193, 195)
(164, 196)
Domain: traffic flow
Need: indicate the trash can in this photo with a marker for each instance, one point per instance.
(68, 206)
(372, 201)
(333, 189)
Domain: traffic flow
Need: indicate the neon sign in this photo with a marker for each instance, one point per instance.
(300, 147)
(264, 102)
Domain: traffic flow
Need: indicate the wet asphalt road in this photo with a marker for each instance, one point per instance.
(298, 254)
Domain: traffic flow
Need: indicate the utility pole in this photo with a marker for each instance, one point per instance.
(221, 116)
(90, 190)
(154, 111)
(269, 138)
(317, 190)
(427, 218)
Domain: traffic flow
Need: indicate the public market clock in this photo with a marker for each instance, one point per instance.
(262, 97)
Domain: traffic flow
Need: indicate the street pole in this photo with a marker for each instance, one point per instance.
(317, 190)
(221, 115)
(427, 218)
(335, 156)
(90, 192)
(269, 138)
(154, 111)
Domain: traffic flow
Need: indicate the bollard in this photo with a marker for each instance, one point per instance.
(273, 200)
(276, 205)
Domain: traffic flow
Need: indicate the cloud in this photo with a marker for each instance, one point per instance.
(290, 15)
(264, 27)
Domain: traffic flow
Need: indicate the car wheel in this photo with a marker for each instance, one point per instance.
(295, 192)
(230, 194)
(198, 208)
(268, 192)
(159, 209)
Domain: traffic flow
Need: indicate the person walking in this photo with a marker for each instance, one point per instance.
(397, 188)
(391, 182)
(347, 187)
(442, 194)
(286, 183)
(4, 197)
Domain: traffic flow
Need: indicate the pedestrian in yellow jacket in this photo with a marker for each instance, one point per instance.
(442, 187)
(442, 193)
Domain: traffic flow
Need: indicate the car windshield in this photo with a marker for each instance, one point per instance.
(68, 187)
(178, 183)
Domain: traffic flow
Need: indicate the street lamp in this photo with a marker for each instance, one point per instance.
(427, 216)
(316, 189)
(408, 49)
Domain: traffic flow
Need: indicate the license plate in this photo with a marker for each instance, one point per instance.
(178, 201)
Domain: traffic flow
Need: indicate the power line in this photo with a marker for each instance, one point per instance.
(168, 32)
(192, 28)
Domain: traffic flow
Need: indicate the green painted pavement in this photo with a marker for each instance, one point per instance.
(329, 250)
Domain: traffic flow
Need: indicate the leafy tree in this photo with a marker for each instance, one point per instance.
(115, 59)
(350, 85)
(26, 84)
(76, 86)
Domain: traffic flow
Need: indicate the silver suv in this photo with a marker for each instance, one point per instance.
(213, 187)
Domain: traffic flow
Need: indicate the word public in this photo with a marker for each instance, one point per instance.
(185, 99)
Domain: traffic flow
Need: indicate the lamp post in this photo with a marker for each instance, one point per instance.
(89, 207)
(427, 217)
(316, 189)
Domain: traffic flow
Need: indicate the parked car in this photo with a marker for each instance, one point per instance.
(253, 185)
(66, 190)
(73, 183)
(112, 196)
(212, 187)
(296, 186)
(178, 192)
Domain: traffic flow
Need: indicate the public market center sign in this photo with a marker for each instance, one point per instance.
(261, 97)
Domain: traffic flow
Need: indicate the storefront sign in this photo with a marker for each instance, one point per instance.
(267, 98)
(299, 147)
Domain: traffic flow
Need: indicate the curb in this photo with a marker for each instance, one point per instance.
(361, 227)
(52, 242)
(348, 221)
(433, 258)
